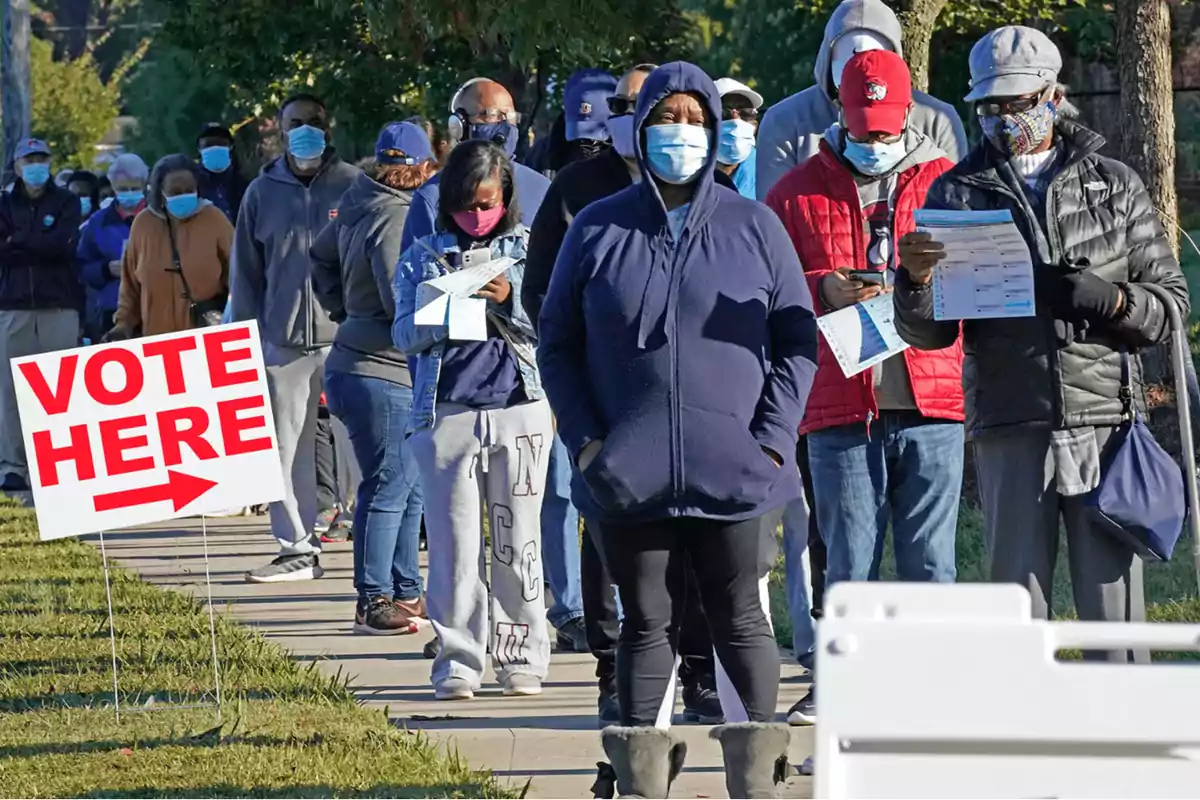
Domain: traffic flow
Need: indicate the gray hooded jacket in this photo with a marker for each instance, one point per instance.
(353, 263)
(792, 129)
(279, 220)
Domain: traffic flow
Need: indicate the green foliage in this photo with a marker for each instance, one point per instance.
(72, 107)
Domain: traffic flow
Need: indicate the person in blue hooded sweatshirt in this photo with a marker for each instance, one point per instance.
(677, 346)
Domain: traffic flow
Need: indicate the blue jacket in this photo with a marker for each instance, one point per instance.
(687, 359)
(426, 344)
(744, 178)
(102, 240)
(422, 214)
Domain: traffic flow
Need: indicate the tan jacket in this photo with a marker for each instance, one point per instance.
(151, 296)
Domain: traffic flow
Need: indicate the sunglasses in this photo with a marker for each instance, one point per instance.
(1014, 105)
(618, 105)
(748, 114)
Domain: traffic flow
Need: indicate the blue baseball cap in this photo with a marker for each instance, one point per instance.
(402, 143)
(585, 104)
(28, 147)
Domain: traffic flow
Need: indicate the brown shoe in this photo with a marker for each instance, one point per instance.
(413, 610)
(382, 618)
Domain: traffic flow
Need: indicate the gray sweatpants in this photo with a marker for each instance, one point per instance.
(492, 462)
(26, 333)
(1022, 509)
(295, 380)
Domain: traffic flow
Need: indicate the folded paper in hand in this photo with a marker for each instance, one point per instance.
(448, 300)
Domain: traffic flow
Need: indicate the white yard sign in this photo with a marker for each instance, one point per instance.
(148, 430)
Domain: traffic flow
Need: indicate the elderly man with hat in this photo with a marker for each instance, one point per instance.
(736, 150)
(885, 445)
(40, 295)
(367, 382)
(1044, 392)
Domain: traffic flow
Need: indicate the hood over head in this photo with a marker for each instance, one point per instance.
(855, 15)
(678, 76)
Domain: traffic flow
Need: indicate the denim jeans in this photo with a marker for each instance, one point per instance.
(796, 572)
(387, 513)
(905, 469)
(560, 539)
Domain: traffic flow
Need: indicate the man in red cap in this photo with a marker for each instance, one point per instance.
(885, 445)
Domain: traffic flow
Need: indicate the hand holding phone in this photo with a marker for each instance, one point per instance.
(870, 277)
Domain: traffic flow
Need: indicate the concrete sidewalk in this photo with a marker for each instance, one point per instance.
(550, 739)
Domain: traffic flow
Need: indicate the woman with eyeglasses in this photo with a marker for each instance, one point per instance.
(177, 259)
(1044, 392)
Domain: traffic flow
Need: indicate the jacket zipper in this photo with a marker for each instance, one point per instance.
(1056, 255)
(310, 333)
(676, 405)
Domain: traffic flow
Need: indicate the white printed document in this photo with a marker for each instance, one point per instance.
(448, 300)
(862, 335)
(987, 272)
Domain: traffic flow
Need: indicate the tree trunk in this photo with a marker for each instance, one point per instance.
(919, 19)
(1147, 102)
(14, 79)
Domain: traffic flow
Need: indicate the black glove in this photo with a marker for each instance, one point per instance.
(1081, 296)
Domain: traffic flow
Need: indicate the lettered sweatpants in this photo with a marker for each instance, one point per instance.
(474, 462)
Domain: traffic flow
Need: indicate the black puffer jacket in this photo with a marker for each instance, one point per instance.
(1098, 217)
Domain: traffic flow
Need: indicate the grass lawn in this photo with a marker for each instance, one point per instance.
(1171, 592)
(288, 731)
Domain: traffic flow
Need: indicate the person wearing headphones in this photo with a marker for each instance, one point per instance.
(480, 109)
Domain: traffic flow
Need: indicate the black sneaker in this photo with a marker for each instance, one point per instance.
(431, 648)
(287, 568)
(14, 483)
(572, 637)
(341, 531)
(608, 710)
(382, 618)
(804, 712)
(325, 520)
(702, 706)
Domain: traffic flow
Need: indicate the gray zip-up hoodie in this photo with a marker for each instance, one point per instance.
(353, 263)
(279, 220)
(792, 129)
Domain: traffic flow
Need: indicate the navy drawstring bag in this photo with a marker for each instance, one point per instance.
(1140, 498)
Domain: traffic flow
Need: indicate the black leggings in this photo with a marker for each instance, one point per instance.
(649, 563)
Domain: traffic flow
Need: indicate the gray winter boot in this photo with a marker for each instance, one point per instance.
(755, 757)
(645, 762)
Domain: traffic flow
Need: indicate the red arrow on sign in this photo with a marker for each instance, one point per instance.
(180, 489)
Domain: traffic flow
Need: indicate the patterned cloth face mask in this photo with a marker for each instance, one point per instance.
(1020, 134)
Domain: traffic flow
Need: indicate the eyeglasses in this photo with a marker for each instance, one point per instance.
(619, 106)
(486, 115)
(1013, 105)
(748, 114)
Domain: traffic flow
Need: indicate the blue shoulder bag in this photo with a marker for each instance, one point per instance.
(1140, 498)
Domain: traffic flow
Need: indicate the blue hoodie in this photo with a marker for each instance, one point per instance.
(686, 359)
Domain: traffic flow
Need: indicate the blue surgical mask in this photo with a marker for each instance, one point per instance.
(35, 174)
(677, 153)
(735, 141)
(504, 134)
(182, 206)
(85, 206)
(131, 199)
(875, 158)
(216, 159)
(306, 142)
(620, 129)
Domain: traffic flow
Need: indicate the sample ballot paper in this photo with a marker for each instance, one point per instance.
(987, 272)
(862, 335)
(448, 300)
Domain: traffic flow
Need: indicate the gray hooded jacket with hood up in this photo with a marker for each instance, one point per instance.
(792, 129)
(279, 220)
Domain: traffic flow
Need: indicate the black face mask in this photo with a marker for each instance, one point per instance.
(587, 148)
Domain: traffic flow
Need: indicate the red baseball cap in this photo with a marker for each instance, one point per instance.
(876, 92)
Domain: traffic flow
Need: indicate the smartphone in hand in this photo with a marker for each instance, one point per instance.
(869, 276)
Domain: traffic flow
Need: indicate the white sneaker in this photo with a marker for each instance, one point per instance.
(453, 689)
(287, 568)
(521, 684)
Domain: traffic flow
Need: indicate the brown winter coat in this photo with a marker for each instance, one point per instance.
(151, 295)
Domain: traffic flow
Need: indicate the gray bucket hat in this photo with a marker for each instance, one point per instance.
(1012, 61)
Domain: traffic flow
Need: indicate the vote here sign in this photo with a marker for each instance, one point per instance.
(148, 430)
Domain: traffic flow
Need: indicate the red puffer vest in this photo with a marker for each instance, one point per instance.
(819, 205)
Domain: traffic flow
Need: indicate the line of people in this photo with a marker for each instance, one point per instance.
(648, 369)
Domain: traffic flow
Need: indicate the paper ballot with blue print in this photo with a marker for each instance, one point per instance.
(862, 335)
(987, 272)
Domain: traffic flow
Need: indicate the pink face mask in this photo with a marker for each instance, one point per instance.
(477, 224)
